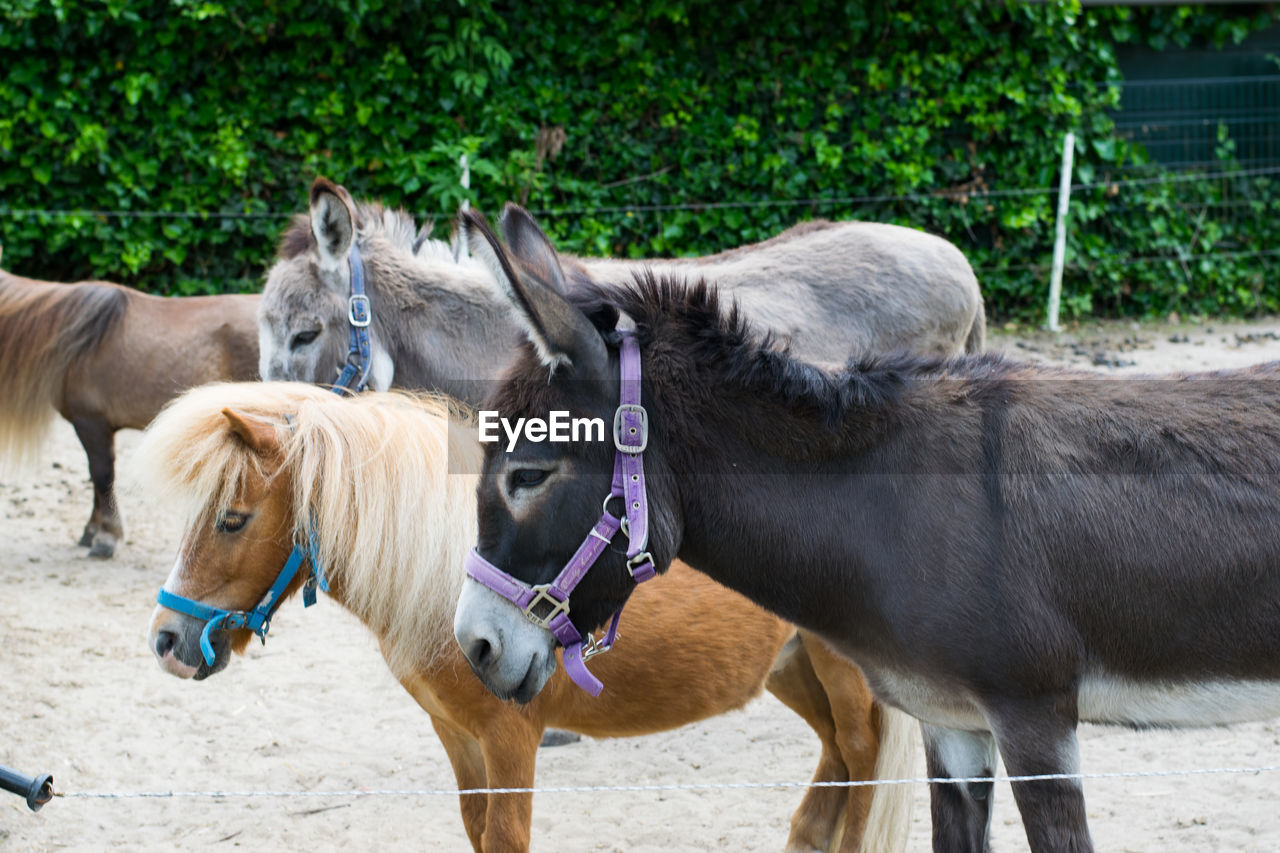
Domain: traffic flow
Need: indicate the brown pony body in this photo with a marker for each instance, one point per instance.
(105, 358)
(392, 531)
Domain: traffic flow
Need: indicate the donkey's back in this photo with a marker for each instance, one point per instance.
(1120, 541)
(837, 287)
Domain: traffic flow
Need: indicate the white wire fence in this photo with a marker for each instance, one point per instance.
(660, 788)
(956, 195)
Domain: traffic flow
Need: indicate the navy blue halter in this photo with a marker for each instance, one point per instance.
(355, 373)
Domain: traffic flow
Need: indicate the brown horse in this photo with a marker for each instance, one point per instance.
(106, 357)
(393, 519)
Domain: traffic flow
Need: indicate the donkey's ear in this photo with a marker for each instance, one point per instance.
(560, 332)
(259, 434)
(333, 222)
(529, 244)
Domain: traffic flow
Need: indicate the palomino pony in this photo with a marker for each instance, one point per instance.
(439, 323)
(1005, 549)
(106, 357)
(259, 465)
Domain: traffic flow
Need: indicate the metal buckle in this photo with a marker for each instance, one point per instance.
(634, 563)
(366, 313)
(593, 647)
(617, 428)
(542, 594)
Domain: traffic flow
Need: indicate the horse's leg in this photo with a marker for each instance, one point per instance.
(510, 751)
(104, 527)
(1039, 738)
(857, 733)
(95, 517)
(795, 683)
(558, 737)
(468, 769)
(961, 811)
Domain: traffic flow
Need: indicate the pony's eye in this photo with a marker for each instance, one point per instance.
(525, 477)
(231, 521)
(303, 338)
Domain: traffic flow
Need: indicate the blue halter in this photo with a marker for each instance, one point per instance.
(355, 373)
(257, 620)
(353, 379)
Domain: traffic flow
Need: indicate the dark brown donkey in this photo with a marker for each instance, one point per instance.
(106, 357)
(1005, 550)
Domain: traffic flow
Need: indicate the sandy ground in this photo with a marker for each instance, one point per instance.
(315, 709)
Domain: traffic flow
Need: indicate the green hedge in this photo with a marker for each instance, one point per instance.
(588, 111)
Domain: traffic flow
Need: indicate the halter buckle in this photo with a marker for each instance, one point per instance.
(593, 647)
(636, 563)
(542, 595)
(635, 409)
(358, 310)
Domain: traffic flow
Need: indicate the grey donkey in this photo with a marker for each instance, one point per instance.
(439, 322)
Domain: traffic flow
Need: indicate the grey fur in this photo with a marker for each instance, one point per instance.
(827, 288)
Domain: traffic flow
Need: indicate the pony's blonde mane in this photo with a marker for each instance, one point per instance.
(389, 480)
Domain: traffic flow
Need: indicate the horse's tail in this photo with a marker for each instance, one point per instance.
(977, 332)
(44, 330)
(889, 821)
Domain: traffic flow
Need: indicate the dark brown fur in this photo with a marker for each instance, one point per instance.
(985, 538)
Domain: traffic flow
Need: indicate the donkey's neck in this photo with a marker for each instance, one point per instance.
(763, 467)
(444, 327)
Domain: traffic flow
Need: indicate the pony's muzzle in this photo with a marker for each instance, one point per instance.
(175, 641)
(163, 646)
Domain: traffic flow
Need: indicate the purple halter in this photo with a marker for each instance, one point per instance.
(547, 605)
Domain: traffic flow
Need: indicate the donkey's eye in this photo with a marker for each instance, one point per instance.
(526, 477)
(231, 521)
(303, 338)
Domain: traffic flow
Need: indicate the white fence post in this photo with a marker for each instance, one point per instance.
(1060, 235)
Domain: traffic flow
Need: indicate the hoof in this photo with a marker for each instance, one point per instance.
(103, 547)
(86, 538)
(558, 737)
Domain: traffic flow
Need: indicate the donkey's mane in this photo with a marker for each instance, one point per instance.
(407, 262)
(374, 472)
(374, 220)
(692, 318)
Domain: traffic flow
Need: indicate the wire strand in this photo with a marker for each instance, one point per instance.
(949, 194)
(661, 788)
